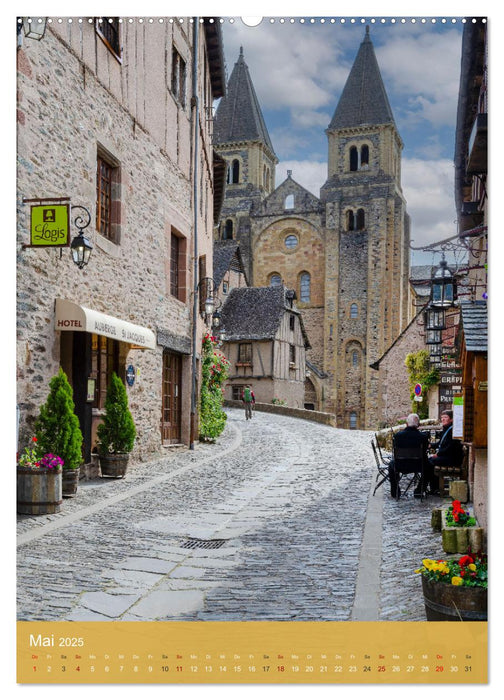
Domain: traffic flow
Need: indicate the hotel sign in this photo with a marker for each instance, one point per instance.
(50, 225)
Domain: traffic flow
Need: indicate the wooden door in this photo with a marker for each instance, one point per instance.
(171, 390)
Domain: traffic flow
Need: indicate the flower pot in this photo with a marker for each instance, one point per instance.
(70, 481)
(39, 491)
(114, 465)
(445, 602)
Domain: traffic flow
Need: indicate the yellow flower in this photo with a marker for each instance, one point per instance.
(457, 581)
(472, 567)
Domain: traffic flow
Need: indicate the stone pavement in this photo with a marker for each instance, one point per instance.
(276, 521)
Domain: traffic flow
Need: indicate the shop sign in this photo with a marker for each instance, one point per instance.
(50, 225)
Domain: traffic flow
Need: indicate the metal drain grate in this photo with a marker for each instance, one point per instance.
(193, 543)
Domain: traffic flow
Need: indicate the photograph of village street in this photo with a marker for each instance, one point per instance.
(252, 332)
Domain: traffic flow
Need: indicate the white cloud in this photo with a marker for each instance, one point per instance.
(309, 174)
(428, 186)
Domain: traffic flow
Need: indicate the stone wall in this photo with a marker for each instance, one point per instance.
(316, 416)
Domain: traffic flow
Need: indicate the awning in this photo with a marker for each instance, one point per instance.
(73, 317)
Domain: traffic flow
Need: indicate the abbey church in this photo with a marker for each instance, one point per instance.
(345, 253)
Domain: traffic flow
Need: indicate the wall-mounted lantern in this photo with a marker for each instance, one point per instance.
(33, 27)
(442, 286)
(435, 319)
(81, 246)
(433, 337)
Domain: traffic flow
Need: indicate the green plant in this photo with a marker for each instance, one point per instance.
(471, 570)
(117, 432)
(214, 372)
(278, 402)
(57, 427)
(420, 372)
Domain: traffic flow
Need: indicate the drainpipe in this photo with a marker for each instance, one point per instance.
(195, 119)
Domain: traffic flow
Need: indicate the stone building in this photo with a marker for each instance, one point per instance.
(108, 114)
(346, 253)
(265, 342)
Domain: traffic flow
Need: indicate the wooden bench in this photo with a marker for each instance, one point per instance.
(447, 474)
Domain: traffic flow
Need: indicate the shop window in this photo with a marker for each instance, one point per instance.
(305, 287)
(237, 391)
(107, 29)
(107, 197)
(178, 77)
(104, 361)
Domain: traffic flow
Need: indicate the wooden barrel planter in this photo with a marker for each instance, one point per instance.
(39, 491)
(114, 465)
(444, 602)
(70, 481)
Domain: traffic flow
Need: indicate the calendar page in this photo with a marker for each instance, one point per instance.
(252, 259)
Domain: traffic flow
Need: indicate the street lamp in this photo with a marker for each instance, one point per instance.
(33, 27)
(81, 246)
(209, 309)
(435, 319)
(442, 286)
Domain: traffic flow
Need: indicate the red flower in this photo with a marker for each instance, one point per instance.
(34, 439)
(466, 560)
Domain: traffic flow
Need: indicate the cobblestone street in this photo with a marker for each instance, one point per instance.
(293, 530)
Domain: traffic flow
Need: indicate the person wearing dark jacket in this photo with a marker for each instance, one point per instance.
(409, 437)
(449, 449)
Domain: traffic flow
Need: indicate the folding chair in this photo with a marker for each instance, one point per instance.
(381, 466)
(385, 459)
(409, 458)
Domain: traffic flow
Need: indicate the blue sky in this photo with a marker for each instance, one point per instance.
(299, 70)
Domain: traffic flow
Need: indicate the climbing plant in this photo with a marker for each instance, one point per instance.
(214, 372)
(421, 372)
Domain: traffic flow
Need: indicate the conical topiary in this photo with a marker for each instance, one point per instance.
(117, 432)
(57, 427)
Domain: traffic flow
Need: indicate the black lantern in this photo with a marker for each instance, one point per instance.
(433, 337)
(435, 319)
(34, 27)
(435, 350)
(81, 246)
(443, 286)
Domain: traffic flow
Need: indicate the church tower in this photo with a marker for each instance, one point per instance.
(366, 243)
(242, 139)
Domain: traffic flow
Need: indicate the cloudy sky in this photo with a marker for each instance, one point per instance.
(299, 70)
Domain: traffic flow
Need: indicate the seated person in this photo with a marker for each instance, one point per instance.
(410, 437)
(448, 449)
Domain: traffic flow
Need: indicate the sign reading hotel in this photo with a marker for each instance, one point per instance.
(50, 225)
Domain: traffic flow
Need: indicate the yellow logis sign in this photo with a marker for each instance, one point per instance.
(50, 225)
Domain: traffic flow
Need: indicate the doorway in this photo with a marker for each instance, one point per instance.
(171, 395)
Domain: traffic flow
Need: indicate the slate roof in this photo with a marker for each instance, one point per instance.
(363, 100)
(239, 116)
(474, 317)
(255, 313)
(226, 254)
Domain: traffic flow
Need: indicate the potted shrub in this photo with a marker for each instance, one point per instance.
(39, 488)
(58, 431)
(116, 435)
(455, 589)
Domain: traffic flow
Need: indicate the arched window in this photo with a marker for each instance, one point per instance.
(275, 280)
(361, 224)
(227, 233)
(364, 158)
(355, 358)
(289, 202)
(304, 287)
(350, 222)
(235, 172)
(354, 158)
(353, 420)
(354, 311)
